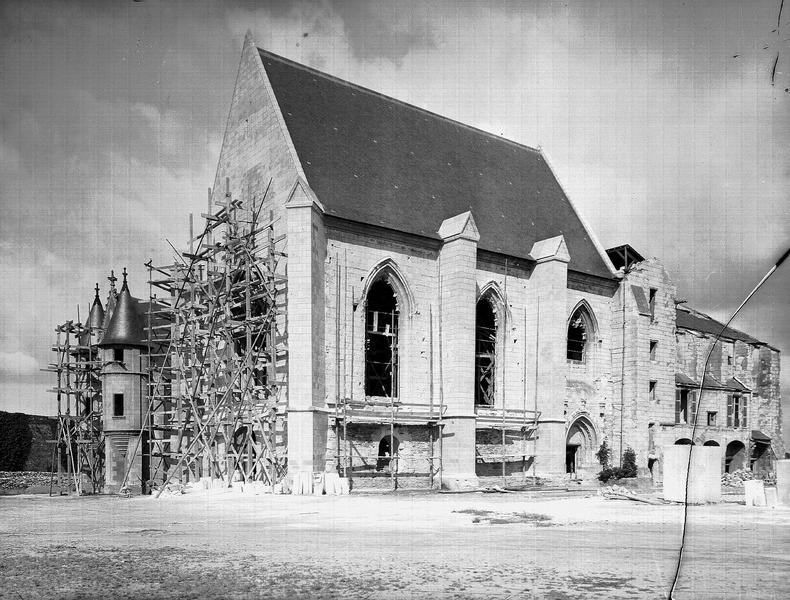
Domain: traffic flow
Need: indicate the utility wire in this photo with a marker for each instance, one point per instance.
(696, 416)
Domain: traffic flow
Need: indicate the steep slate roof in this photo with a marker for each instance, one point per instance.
(96, 317)
(126, 325)
(376, 160)
(688, 318)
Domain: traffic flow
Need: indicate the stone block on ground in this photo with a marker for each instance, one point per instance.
(754, 492)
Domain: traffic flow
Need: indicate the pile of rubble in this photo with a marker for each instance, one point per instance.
(15, 480)
(736, 478)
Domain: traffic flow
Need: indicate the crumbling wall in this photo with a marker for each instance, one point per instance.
(370, 469)
(642, 412)
(769, 399)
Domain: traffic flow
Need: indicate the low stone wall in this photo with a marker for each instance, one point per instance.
(26, 442)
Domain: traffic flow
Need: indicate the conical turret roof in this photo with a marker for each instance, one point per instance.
(126, 325)
(96, 318)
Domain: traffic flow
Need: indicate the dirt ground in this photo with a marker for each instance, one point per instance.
(226, 544)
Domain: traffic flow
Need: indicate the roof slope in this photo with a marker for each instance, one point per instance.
(376, 160)
(126, 325)
(688, 318)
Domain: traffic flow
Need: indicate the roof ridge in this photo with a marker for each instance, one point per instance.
(361, 88)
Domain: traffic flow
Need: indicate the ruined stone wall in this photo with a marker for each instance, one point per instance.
(635, 410)
(756, 366)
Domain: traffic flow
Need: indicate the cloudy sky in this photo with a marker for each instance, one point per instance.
(660, 118)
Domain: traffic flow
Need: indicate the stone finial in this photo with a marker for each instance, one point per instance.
(461, 226)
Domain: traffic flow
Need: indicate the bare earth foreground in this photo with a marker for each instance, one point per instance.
(227, 544)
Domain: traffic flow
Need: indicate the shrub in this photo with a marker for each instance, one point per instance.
(606, 474)
(627, 470)
(629, 463)
(604, 455)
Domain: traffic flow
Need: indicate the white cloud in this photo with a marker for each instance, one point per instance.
(17, 364)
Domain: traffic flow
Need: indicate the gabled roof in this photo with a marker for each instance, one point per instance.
(126, 325)
(376, 160)
(688, 318)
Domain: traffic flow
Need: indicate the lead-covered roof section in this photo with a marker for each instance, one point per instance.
(126, 325)
(379, 161)
(688, 318)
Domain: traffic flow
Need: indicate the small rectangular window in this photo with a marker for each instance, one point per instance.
(730, 352)
(117, 354)
(711, 418)
(652, 303)
(653, 349)
(685, 406)
(117, 405)
(736, 411)
(652, 391)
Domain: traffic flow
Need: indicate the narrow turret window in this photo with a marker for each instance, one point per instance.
(117, 405)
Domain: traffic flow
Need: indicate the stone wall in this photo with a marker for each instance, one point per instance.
(633, 330)
(756, 366)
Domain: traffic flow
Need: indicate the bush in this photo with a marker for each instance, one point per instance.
(629, 463)
(604, 455)
(15, 441)
(627, 470)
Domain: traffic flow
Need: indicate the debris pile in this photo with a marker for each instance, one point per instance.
(736, 478)
(616, 492)
(14, 480)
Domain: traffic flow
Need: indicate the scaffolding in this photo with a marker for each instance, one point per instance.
(79, 447)
(216, 353)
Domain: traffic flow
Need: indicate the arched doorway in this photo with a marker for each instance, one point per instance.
(244, 446)
(711, 443)
(684, 442)
(388, 448)
(581, 444)
(734, 457)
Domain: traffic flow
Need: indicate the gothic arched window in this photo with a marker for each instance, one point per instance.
(381, 340)
(485, 352)
(580, 332)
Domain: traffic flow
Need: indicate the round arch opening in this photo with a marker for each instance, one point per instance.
(734, 456)
(388, 449)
